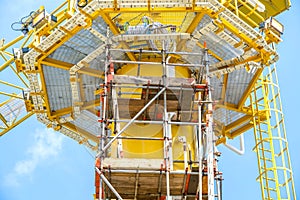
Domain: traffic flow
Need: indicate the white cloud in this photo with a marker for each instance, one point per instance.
(47, 144)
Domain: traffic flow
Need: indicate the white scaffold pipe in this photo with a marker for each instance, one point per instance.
(130, 122)
(240, 151)
(108, 184)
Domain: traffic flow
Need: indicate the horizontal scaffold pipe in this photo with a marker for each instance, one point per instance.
(182, 172)
(130, 122)
(155, 51)
(154, 63)
(155, 122)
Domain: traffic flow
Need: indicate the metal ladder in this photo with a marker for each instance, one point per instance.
(274, 165)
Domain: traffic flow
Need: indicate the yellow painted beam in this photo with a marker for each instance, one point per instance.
(59, 7)
(69, 110)
(15, 71)
(7, 63)
(91, 104)
(249, 88)
(11, 95)
(11, 42)
(92, 72)
(235, 108)
(44, 89)
(67, 66)
(195, 22)
(16, 123)
(239, 131)
(5, 102)
(224, 88)
(151, 9)
(61, 112)
(11, 85)
(252, 43)
(29, 34)
(3, 120)
(57, 63)
(114, 29)
(237, 123)
(68, 35)
(210, 52)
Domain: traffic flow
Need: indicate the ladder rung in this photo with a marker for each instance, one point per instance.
(266, 159)
(286, 182)
(270, 189)
(265, 150)
(269, 179)
(281, 152)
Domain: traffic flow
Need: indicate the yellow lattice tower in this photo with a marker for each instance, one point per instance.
(67, 58)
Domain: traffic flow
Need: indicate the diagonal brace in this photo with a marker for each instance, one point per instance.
(130, 122)
(108, 184)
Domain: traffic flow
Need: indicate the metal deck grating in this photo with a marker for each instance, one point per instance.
(58, 87)
(238, 82)
(87, 121)
(227, 116)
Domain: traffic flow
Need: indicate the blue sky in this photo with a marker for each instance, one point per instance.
(37, 163)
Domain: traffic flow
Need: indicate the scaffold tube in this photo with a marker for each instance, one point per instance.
(240, 151)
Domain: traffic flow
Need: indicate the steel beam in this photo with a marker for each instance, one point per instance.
(116, 31)
(16, 123)
(249, 88)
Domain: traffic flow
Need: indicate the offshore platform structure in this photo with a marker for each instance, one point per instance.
(153, 87)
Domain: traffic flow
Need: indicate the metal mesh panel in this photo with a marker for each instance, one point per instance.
(84, 41)
(89, 85)
(80, 45)
(205, 20)
(12, 110)
(187, 20)
(217, 85)
(58, 87)
(240, 126)
(99, 25)
(227, 116)
(238, 82)
(72, 51)
(67, 54)
(88, 122)
(220, 46)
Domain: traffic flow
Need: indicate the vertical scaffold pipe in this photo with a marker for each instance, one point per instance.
(167, 154)
(103, 117)
(209, 132)
(199, 148)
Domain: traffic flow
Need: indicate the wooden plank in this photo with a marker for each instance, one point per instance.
(132, 164)
(124, 183)
(128, 108)
(172, 81)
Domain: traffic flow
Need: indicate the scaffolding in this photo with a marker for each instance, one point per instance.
(142, 178)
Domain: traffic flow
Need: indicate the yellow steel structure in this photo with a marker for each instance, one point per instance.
(92, 31)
